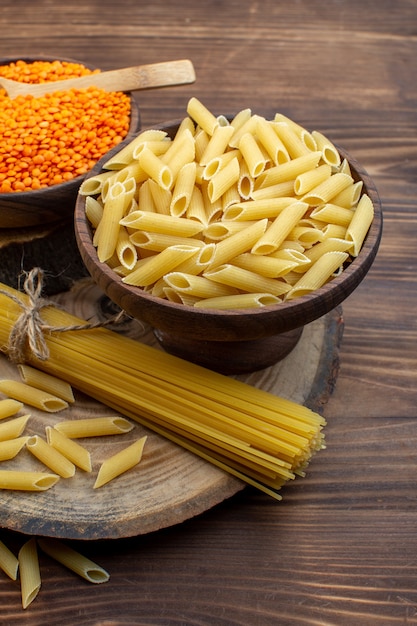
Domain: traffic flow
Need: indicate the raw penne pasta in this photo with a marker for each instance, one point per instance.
(125, 155)
(157, 170)
(223, 180)
(9, 563)
(201, 139)
(9, 407)
(288, 171)
(271, 142)
(312, 178)
(120, 463)
(318, 274)
(350, 196)
(257, 209)
(218, 163)
(199, 261)
(238, 243)
(245, 184)
(11, 447)
(360, 223)
(69, 448)
(157, 147)
(202, 116)
(328, 189)
(305, 136)
(249, 126)
(125, 250)
(221, 230)
(196, 210)
(183, 153)
(273, 191)
(239, 301)
(36, 378)
(264, 265)
(30, 576)
(328, 150)
(240, 118)
(328, 245)
(113, 211)
(280, 228)
(183, 190)
(252, 155)
(231, 196)
(159, 265)
(37, 398)
(73, 560)
(333, 214)
(93, 186)
(161, 198)
(27, 481)
(246, 280)
(13, 428)
(167, 224)
(93, 211)
(159, 241)
(217, 144)
(50, 457)
(94, 427)
(295, 147)
(197, 286)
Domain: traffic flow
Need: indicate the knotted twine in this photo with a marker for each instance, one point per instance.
(29, 330)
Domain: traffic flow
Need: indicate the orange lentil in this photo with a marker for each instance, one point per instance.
(47, 140)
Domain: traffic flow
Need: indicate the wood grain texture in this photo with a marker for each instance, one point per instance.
(340, 549)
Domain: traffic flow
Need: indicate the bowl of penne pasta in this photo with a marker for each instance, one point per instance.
(48, 143)
(228, 234)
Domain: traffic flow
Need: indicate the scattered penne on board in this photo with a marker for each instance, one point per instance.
(271, 174)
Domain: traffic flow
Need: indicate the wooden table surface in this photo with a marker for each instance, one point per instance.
(341, 547)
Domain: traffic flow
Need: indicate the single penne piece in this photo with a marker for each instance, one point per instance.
(241, 118)
(156, 169)
(13, 428)
(202, 116)
(145, 197)
(280, 228)
(9, 407)
(305, 136)
(159, 265)
(185, 153)
(252, 154)
(249, 126)
(125, 155)
(30, 576)
(318, 274)
(201, 139)
(288, 171)
(161, 198)
(333, 214)
(246, 183)
(196, 210)
(221, 230)
(217, 143)
(328, 189)
(69, 448)
(360, 223)
(37, 398)
(159, 241)
(257, 209)
(264, 265)
(218, 163)
(183, 189)
(312, 178)
(239, 301)
(246, 280)
(350, 196)
(11, 448)
(197, 286)
(271, 142)
(223, 180)
(93, 211)
(307, 235)
(214, 210)
(158, 223)
(199, 261)
(50, 457)
(293, 143)
(93, 186)
(273, 191)
(73, 560)
(94, 427)
(238, 243)
(328, 245)
(328, 150)
(108, 232)
(120, 462)
(41, 380)
(125, 250)
(9, 563)
(157, 147)
(27, 481)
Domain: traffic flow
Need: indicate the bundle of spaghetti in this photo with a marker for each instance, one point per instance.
(263, 439)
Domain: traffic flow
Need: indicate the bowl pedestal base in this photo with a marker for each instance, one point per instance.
(231, 357)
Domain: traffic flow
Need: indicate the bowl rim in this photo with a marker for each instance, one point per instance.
(331, 294)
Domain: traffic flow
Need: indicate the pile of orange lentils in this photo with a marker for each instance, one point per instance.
(51, 139)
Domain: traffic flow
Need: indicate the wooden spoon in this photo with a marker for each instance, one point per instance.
(127, 79)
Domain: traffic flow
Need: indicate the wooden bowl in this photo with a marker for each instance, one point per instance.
(48, 205)
(234, 341)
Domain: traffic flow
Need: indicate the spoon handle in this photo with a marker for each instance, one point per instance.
(126, 79)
